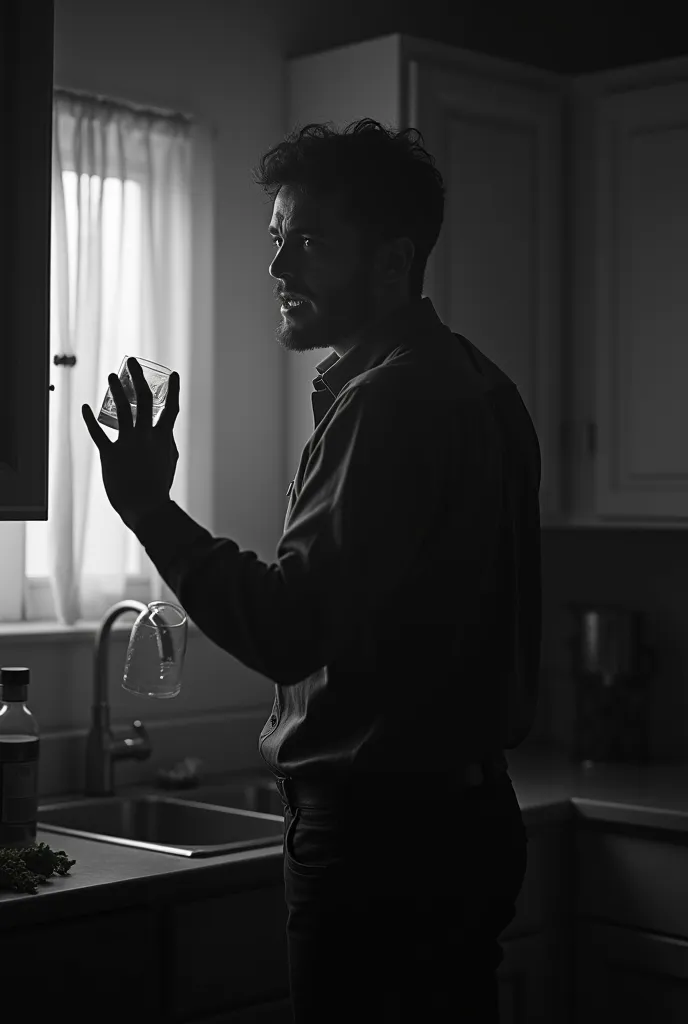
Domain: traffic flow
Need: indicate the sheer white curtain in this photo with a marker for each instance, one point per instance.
(121, 282)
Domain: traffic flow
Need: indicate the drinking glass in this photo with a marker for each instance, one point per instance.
(158, 379)
(155, 655)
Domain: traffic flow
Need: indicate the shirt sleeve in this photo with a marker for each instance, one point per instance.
(371, 491)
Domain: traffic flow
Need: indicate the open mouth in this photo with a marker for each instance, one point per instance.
(290, 306)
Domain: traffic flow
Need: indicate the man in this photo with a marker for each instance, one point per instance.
(400, 621)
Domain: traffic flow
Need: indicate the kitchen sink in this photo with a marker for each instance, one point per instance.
(164, 824)
(262, 796)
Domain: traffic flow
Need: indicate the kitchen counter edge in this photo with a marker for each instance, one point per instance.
(108, 876)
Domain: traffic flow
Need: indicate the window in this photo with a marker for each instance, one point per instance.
(114, 193)
(123, 259)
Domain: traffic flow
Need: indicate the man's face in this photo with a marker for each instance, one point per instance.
(322, 258)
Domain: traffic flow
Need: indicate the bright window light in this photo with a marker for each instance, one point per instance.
(127, 313)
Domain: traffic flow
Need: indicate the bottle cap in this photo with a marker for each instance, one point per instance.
(14, 682)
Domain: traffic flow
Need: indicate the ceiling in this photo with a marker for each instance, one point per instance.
(574, 39)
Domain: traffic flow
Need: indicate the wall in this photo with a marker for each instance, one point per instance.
(223, 63)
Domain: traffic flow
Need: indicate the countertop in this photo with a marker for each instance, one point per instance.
(548, 785)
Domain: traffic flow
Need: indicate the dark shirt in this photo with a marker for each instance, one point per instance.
(401, 619)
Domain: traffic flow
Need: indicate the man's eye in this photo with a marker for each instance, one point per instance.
(304, 238)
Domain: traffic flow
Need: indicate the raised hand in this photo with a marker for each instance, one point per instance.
(138, 468)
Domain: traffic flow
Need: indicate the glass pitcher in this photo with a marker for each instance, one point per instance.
(155, 655)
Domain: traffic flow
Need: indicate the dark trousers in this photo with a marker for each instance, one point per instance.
(395, 910)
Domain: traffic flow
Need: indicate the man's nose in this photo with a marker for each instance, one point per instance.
(277, 264)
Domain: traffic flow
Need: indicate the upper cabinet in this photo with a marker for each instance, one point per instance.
(495, 274)
(494, 129)
(628, 358)
(562, 256)
(26, 83)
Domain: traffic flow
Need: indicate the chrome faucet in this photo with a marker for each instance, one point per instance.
(102, 749)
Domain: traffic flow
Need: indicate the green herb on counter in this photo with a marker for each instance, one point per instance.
(22, 869)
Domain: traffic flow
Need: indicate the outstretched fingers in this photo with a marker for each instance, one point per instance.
(97, 433)
(171, 410)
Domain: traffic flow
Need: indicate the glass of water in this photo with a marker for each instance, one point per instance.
(158, 380)
(155, 655)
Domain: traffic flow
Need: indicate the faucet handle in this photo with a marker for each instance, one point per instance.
(138, 746)
(142, 736)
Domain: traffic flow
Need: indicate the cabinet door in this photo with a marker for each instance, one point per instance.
(230, 952)
(545, 900)
(641, 312)
(341, 86)
(105, 968)
(26, 82)
(629, 976)
(494, 275)
(522, 995)
(631, 877)
(535, 979)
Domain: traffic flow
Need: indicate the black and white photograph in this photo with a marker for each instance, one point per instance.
(343, 512)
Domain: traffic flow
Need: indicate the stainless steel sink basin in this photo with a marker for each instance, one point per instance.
(262, 796)
(163, 824)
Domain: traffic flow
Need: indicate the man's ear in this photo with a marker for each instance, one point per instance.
(398, 257)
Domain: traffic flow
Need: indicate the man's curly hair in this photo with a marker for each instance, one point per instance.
(389, 184)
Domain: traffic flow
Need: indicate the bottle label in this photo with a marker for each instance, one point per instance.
(18, 792)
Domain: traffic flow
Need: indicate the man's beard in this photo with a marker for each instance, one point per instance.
(315, 327)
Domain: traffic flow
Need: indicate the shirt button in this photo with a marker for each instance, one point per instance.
(273, 720)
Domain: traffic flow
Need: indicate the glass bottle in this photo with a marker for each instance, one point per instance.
(19, 745)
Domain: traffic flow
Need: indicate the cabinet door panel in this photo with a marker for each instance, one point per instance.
(522, 994)
(633, 880)
(630, 976)
(641, 310)
(230, 951)
(26, 82)
(545, 899)
(494, 275)
(339, 85)
(98, 968)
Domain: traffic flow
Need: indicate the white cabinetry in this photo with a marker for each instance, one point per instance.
(631, 927)
(562, 255)
(494, 128)
(628, 353)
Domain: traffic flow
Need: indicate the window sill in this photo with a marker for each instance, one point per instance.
(55, 632)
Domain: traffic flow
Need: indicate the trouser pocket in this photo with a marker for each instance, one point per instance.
(313, 841)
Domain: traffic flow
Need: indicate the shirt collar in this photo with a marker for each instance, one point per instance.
(413, 322)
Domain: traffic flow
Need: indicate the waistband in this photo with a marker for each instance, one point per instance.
(379, 787)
